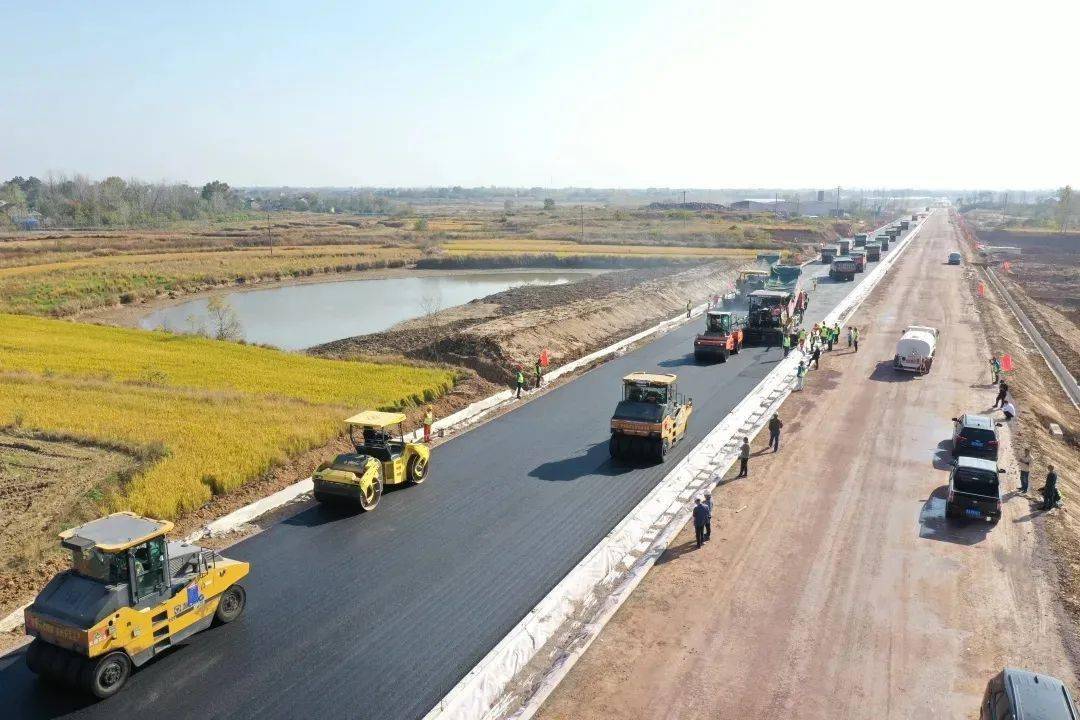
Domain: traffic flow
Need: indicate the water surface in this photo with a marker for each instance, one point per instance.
(299, 316)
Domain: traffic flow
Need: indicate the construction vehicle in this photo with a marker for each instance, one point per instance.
(650, 418)
(904, 225)
(723, 336)
(859, 256)
(783, 277)
(873, 251)
(828, 252)
(129, 596)
(769, 311)
(843, 268)
(883, 241)
(379, 460)
(747, 282)
(860, 240)
(844, 245)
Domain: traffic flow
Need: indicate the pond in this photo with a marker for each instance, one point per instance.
(293, 317)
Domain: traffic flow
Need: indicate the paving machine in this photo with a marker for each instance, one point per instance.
(769, 312)
(129, 596)
(380, 459)
(723, 336)
(650, 418)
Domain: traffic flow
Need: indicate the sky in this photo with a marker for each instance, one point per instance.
(611, 93)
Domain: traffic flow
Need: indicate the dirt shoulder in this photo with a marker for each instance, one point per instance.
(833, 587)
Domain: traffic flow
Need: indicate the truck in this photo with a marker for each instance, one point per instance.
(883, 241)
(769, 312)
(783, 277)
(843, 268)
(844, 245)
(723, 336)
(828, 252)
(859, 256)
(904, 225)
(915, 349)
(747, 282)
(873, 251)
(860, 240)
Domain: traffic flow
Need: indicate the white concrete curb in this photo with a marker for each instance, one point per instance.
(566, 621)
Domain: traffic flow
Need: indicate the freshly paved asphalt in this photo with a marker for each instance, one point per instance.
(378, 615)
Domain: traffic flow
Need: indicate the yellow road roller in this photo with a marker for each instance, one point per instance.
(382, 458)
(651, 417)
(129, 596)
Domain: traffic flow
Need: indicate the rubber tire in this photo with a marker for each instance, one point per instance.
(224, 615)
(416, 477)
(378, 495)
(92, 677)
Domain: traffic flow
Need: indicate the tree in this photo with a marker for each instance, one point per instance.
(420, 225)
(226, 324)
(215, 188)
(549, 204)
(508, 206)
(1064, 198)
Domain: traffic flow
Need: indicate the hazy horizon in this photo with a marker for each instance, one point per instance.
(609, 95)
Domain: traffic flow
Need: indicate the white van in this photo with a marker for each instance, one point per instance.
(916, 348)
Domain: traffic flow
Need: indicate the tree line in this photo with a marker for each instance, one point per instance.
(113, 202)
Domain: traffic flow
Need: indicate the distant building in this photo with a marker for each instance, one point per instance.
(788, 207)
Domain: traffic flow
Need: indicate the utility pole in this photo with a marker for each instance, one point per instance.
(582, 208)
(1004, 204)
(684, 197)
(837, 201)
(269, 235)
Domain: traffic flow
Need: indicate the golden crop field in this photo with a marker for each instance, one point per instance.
(224, 413)
(509, 246)
(71, 285)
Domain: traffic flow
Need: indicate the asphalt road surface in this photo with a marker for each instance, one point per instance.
(378, 615)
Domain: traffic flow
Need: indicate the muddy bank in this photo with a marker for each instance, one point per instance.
(494, 334)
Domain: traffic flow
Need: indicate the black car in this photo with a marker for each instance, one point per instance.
(975, 436)
(974, 490)
(1023, 695)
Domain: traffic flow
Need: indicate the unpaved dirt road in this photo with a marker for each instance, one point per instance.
(833, 586)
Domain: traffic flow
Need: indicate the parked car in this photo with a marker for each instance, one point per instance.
(954, 258)
(1024, 695)
(974, 490)
(915, 349)
(975, 436)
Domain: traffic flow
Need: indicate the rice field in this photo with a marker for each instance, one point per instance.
(220, 413)
(562, 248)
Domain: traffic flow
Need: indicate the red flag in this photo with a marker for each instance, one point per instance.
(544, 358)
(1006, 363)
(1006, 265)
(982, 289)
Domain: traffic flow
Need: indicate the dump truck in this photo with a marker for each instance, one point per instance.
(380, 459)
(783, 277)
(828, 253)
(904, 225)
(843, 268)
(860, 240)
(859, 256)
(128, 596)
(651, 417)
(883, 241)
(873, 251)
(747, 282)
(723, 336)
(845, 245)
(769, 311)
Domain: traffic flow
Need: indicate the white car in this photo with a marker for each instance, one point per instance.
(915, 349)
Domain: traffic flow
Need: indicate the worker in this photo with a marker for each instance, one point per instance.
(775, 423)
(855, 338)
(708, 520)
(836, 333)
(850, 335)
(520, 381)
(815, 284)
(800, 375)
(744, 458)
(429, 419)
(1025, 470)
(1009, 409)
(815, 357)
(829, 338)
(787, 344)
(687, 308)
(802, 340)
(539, 374)
(995, 370)
(1050, 493)
(700, 521)
(1003, 390)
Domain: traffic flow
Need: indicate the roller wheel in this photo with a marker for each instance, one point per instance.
(231, 605)
(369, 499)
(106, 676)
(613, 446)
(417, 469)
(724, 355)
(34, 657)
(735, 348)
